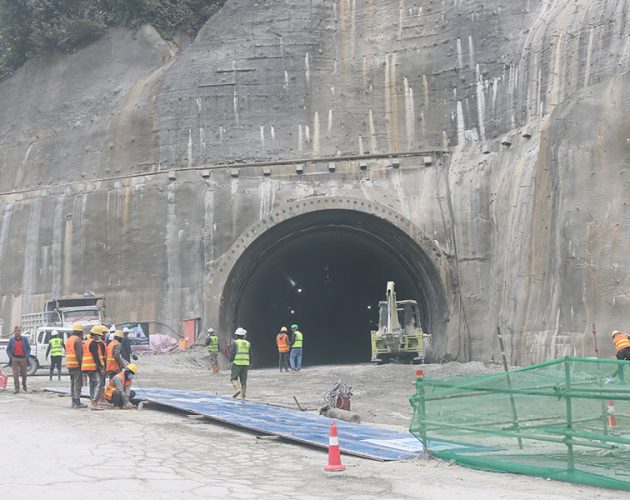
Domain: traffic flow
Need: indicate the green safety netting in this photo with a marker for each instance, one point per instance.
(566, 419)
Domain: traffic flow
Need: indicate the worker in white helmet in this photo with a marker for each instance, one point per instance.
(240, 362)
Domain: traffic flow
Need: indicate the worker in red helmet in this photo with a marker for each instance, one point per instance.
(622, 345)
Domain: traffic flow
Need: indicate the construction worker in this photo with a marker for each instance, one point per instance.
(213, 349)
(125, 350)
(118, 392)
(114, 361)
(93, 363)
(282, 341)
(240, 362)
(19, 350)
(622, 345)
(74, 357)
(296, 348)
(55, 349)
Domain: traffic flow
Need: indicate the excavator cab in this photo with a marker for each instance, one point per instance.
(399, 335)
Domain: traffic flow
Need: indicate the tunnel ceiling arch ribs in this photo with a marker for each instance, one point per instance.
(325, 267)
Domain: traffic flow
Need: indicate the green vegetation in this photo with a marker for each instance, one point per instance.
(32, 27)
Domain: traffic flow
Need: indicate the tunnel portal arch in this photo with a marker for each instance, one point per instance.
(324, 264)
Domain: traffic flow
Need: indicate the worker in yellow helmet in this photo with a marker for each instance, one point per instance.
(622, 344)
(118, 392)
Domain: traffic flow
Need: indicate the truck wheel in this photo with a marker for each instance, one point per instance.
(33, 367)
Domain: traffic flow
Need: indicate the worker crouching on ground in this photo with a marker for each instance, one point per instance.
(114, 361)
(118, 392)
(74, 357)
(213, 349)
(622, 345)
(240, 363)
(55, 350)
(282, 341)
(93, 362)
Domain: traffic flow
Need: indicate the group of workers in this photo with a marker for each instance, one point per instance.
(290, 347)
(106, 366)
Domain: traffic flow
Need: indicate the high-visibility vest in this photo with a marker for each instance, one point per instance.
(55, 347)
(88, 364)
(283, 342)
(71, 355)
(213, 346)
(621, 341)
(297, 343)
(109, 390)
(112, 365)
(242, 352)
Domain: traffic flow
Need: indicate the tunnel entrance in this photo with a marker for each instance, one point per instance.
(326, 271)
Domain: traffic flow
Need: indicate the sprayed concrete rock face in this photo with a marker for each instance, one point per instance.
(474, 152)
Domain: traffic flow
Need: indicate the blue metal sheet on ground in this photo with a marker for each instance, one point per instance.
(354, 439)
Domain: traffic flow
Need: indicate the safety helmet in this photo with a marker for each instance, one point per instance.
(284, 329)
(112, 328)
(125, 330)
(294, 327)
(210, 330)
(240, 332)
(97, 330)
(615, 332)
(54, 333)
(77, 327)
(118, 334)
(132, 368)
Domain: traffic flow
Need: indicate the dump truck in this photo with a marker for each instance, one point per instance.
(399, 336)
(58, 314)
(86, 309)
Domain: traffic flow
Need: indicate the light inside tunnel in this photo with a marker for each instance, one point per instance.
(327, 271)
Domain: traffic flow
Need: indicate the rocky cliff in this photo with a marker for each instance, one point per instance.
(103, 151)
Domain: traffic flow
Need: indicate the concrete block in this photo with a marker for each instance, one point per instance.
(332, 166)
(507, 141)
(363, 165)
(171, 175)
(527, 133)
(428, 160)
(395, 163)
(234, 172)
(267, 171)
(299, 168)
(205, 174)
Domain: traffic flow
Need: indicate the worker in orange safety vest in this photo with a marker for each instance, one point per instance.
(74, 357)
(118, 392)
(622, 345)
(282, 341)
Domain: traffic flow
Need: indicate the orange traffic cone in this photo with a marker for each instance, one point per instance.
(334, 455)
(612, 419)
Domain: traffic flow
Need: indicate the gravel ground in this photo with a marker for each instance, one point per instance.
(50, 451)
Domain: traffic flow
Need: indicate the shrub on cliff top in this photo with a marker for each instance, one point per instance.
(32, 27)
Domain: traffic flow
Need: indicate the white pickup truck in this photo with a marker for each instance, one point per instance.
(39, 346)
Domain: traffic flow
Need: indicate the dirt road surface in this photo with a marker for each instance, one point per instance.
(51, 451)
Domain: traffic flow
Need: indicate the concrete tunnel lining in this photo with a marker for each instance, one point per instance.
(361, 250)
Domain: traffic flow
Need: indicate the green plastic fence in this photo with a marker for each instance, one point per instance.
(567, 419)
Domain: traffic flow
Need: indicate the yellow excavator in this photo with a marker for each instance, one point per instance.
(394, 341)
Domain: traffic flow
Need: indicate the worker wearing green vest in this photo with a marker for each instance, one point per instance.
(295, 358)
(240, 362)
(56, 349)
(213, 349)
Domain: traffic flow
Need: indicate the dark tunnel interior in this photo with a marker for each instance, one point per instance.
(326, 273)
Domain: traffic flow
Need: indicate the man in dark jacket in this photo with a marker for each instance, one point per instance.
(19, 350)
